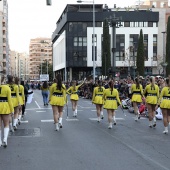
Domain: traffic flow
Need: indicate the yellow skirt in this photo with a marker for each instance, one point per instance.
(21, 100)
(15, 101)
(74, 97)
(57, 101)
(5, 108)
(151, 99)
(110, 104)
(98, 100)
(136, 98)
(165, 104)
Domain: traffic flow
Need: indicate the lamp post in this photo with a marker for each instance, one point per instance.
(93, 40)
(114, 22)
(164, 64)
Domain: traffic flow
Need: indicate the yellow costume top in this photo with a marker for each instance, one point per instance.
(74, 92)
(111, 99)
(98, 95)
(6, 106)
(137, 93)
(21, 95)
(164, 100)
(14, 94)
(57, 97)
(152, 94)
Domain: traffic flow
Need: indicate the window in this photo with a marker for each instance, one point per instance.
(126, 24)
(145, 24)
(163, 5)
(146, 47)
(120, 50)
(95, 46)
(80, 41)
(154, 4)
(150, 24)
(154, 47)
(140, 24)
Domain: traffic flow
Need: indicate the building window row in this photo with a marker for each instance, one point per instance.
(139, 24)
(80, 41)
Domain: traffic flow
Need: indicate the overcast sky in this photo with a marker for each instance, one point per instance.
(32, 18)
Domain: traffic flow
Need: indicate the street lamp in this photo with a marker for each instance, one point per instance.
(164, 64)
(93, 40)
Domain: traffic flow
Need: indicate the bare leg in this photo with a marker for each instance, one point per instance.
(165, 120)
(56, 116)
(109, 118)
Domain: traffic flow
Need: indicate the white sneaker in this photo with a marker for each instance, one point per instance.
(5, 143)
(57, 127)
(110, 126)
(166, 130)
(98, 119)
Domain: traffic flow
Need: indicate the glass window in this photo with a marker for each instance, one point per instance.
(84, 41)
(163, 5)
(126, 24)
(154, 4)
(150, 24)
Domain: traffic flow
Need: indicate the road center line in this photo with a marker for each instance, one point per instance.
(40, 111)
(51, 120)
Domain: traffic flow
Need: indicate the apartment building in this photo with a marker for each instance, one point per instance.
(19, 65)
(4, 43)
(40, 50)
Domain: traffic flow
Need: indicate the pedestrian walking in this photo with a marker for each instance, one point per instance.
(111, 101)
(5, 111)
(15, 100)
(45, 92)
(164, 102)
(73, 92)
(151, 93)
(137, 94)
(21, 99)
(97, 99)
(26, 93)
(57, 101)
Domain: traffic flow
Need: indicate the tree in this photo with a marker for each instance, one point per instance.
(106, 59)
(168, 47)
(140, 55)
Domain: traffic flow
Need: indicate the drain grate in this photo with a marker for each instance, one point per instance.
(35, 132)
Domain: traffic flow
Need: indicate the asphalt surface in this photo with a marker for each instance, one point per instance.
(84, 144)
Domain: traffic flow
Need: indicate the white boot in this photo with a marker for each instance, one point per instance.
(154, 122)
(6, 131)
(11, 127)
(74, 114)
(150, 124)
(102, 116)
(98, 119)
(60, 122)
(114, 120)
(15, 124)
(110, 126)
(166, 130)
(19, 119)
(57, 127)
(0, 139)
(136, 117)
(138, 114)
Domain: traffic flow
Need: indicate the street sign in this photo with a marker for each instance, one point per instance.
(44, 77)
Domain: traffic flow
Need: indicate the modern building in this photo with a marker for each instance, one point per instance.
(4, 43)
(40, 50)
(72, 40)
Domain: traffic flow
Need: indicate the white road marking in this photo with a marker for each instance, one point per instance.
(93, 110)
(37, 105)
(142, 118)
(40, 111)
(97, 119)
(72, 119)
(24, 121)
(51, 120)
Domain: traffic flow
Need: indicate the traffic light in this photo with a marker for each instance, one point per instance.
(48, 2)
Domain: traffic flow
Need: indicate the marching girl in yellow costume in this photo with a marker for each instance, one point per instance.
(6, 108)
(57, 101)
(111, 100)
(15, 100)
(164, 102)
(21, 99)
(152, 94)
(137, 94)
(97, 99)
(73, 91)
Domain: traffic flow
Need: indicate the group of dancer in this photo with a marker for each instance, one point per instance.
(13, 96)
(109, 100)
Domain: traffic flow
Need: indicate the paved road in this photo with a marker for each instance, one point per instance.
(84, 144)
